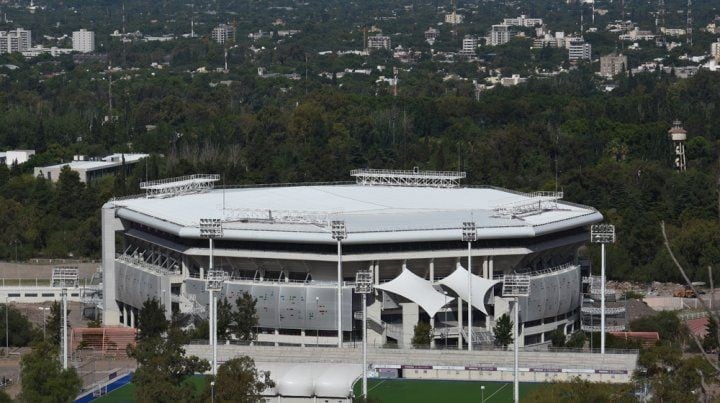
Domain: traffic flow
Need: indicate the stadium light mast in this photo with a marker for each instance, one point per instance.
(516, 286)
(339, 233)
(215, 280)
(469, 235)
(64, 277)
(211, 228)
(364, 286)
(602, 234)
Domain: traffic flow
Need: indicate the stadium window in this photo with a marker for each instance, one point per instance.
(74, 294)
(12, 294)
(46, 294)
(33, 294)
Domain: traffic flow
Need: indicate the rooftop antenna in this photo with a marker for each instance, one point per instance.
(226, 65)
(593, 12)
(581, 19)
(689, 23)
(110, 104)
(454, 18)
(192, 19)
(660, 20)
(123, 18)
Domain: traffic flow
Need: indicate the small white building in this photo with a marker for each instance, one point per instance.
(523, 21)
(90, 169)
(83, 41)
(18, 156)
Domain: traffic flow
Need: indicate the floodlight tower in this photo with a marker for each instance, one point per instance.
(678, 135)
(211, 228)
(602, 234)
(469, 235)
(339, 233)
(516, 286)
(64, 277)
(364, 286)
(215, 280)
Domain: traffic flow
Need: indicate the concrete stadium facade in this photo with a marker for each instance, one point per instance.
(277, 245)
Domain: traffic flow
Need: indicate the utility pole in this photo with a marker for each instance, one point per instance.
(689, 28)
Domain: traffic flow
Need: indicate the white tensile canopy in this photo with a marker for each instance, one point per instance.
(458, 282)
(417, 290)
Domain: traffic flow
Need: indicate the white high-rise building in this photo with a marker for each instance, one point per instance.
(578, 49)
(83, 41)
(715, 50)
(223, 33)
(500, 34)
(469, 45)
(16, 40)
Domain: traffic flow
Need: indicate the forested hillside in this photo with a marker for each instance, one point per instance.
(609, 150)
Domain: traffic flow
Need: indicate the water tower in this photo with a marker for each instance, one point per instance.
(678, 135)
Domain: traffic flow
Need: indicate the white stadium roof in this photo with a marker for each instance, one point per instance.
(372, 214)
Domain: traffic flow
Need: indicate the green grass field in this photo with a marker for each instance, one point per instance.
(392, 391)
(125, 394)
(418, 391)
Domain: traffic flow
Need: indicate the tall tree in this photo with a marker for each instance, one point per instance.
(53, 326)
(43, 378)
(503, 331)
(238, 381)
(20, 330)
(422, 336)
(163, 368)
(151, 321)
(246, 319)
(225, 319)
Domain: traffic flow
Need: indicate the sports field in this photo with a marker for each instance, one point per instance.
(394, 391)
(125, 393)
(417, 391)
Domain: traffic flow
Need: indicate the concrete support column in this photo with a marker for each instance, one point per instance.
(376, 272)
(460, 323)
(485, 267)
(431, 268)
(302, 337)
(277, 337)
(132, 317)
(111, 311)
(410, 317)
(490, 263)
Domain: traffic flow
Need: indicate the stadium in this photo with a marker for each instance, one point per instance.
(286, 245)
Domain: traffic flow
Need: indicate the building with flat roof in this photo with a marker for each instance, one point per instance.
(501, 34)
(90, 168)
(613, 64)
(18, 157)
(715, 50)
(279, 244)
(578, 49)
(469, 46)
(523, 21)
(223, 33)
(83, 41)
(378, 42)
(15, 40)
